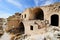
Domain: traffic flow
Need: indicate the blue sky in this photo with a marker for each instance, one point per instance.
(9, 7)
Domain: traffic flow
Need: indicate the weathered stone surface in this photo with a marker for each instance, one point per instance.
(13, 23)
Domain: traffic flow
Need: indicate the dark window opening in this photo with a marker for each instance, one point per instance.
(54, 20)
(25, 15)
(31, 27)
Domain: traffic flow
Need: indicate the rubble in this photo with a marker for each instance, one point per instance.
(53, 33)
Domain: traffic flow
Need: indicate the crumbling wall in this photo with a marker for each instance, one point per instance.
(13, 23)
(37, 25)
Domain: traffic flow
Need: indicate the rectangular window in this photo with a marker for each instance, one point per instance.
(31, 27)
(25, 15)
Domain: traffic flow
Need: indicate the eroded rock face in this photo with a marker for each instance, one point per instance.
(13, 23)
(1, 26)
(1, 31)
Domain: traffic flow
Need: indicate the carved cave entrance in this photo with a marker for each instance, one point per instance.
(54, 20)
(39, 15)
(22, 29)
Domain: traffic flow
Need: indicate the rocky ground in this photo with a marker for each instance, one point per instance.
(52, 33)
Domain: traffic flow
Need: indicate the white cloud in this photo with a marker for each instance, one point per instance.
(4, 14)
(16, 3)
(43, 2)
(37, 2)
(48, 2)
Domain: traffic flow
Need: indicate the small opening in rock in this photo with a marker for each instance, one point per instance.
(31, 27)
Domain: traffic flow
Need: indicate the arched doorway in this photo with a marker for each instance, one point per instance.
(55, 20)
(39, 15)
(21, 28)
